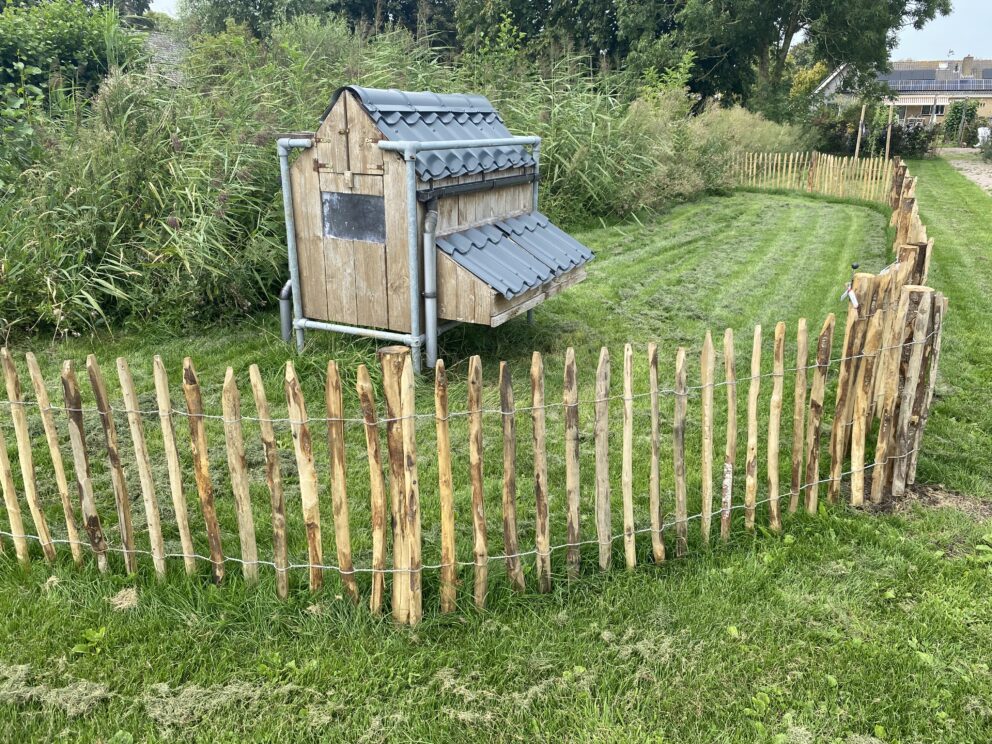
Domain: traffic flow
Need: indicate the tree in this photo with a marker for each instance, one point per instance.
(741, 42)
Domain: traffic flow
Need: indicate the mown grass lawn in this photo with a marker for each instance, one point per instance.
(848, 625)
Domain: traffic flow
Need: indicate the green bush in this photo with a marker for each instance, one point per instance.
(952, 122)
(163, 201)
(62, 39)
(52, 46)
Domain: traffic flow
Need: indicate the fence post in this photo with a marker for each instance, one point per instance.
(774, 425)
(888, 393)
(117, 479)
(334, 404)
(542, 534)
(201, 467)
(823, 346)
(912, 389)
(238, 470)
(853, 343)
(303, 448)
(273, 477)
(391, 359)
(449, 568)
(811, 175)
(730, 453)
(570, 397)
(798, 414)
(478, 483)
(377, 487)
(13, 508)
(751, 464)
(81, 464)
(627, 456)
(654, 485)
(22, 436)
(508, 420)
(707, 369)
(52, 437)
(934, 333)
(602, 432)
(864, 384)
(411, 493)
(144, 466)
(678, 452)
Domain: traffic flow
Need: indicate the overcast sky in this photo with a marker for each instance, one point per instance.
(967, 30)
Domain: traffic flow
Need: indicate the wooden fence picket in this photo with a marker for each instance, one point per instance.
(823, 348)
(730, 453)
(854, 334)
(171, 450)
(391, 360)
(22, 436)
(144, 466)
(911, 388)
(864, 386)
(201, 467)
(627, 457)
(678, 455)
(55, 452)
(604, 526)
(238, 470)
(707, 364)
(449, 569)
(654, 484)
(931, 369)
(774, 426)
(14, 520)
(117, 479)
(511, 547)
(273, 479)
(799, 414)
(411, 495)
(481, 585)
(570, 398)
(334, 403)
(81, 464)
(751, 464)
(542, 534)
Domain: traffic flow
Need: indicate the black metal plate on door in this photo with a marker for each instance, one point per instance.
(354, 216)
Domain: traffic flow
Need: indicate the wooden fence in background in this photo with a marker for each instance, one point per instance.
(869, 179)
(885, 372)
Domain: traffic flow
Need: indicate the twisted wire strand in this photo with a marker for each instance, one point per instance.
(483, 411)
(490, 559)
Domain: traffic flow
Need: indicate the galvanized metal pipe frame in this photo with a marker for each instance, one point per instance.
(409, 149)
(283, 147)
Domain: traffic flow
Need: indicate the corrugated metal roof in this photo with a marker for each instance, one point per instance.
(515, 254)
(433, 117)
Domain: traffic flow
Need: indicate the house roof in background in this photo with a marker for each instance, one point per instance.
(515, 254)
(432, 117)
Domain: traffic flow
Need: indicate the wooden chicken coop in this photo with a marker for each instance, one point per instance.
(407, 213)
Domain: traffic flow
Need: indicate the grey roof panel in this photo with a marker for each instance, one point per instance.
(433, 117)
(515, 254)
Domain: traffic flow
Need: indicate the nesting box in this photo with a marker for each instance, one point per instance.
(496, 255)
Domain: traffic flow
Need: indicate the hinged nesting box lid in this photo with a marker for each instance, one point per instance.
(515, 254)
(436, 117)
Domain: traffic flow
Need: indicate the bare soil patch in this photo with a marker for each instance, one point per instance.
(936, 497)
(968, 162)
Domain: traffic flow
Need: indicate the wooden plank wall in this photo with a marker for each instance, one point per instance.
(362, 283)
